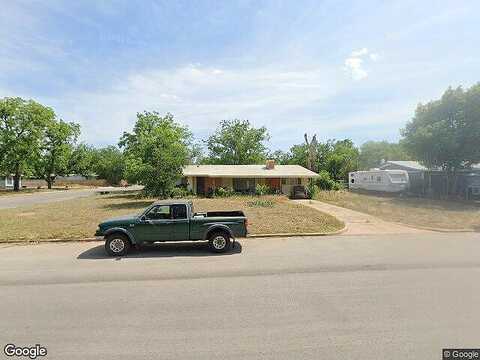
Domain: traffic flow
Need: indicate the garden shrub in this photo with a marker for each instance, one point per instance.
(262, 189)
(179, 192)
(325, 182)
(224, 192)
(312, 189)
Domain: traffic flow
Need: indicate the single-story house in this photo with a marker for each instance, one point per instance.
(6, 182)
(434, 182)
(201, 179)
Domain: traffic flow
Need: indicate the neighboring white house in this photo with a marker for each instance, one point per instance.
(243, 178)
(379, 180)
(6, 182)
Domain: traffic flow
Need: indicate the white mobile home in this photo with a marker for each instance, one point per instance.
(379, 180)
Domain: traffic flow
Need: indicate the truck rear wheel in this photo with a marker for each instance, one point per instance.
(219, 242)
(117, 244)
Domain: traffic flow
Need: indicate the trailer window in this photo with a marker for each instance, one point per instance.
(379, 179)
(398, 177)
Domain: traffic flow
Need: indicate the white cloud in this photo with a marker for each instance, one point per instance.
(353, 65)
(359, 53)
(200, 96)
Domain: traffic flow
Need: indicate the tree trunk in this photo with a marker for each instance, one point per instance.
(451, 182)
(16, 179)
(455, 182)
(50, 181)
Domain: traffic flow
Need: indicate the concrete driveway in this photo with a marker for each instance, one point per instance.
(360, 223)
(401, 296)
(18, 200)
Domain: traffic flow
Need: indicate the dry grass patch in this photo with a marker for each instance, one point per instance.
(79, 218)
(273, 214)
(408, 210)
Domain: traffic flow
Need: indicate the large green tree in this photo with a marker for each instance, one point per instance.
(56, 149)
(372, 153)
(22, 127)
(342, 159)
(281, 157)
(445, 133)
(83, 160)
(110, 164)
(237, 142)
(155, 152)
(336, 157)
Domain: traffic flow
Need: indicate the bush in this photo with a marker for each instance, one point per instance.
(338, 186)
(325, 182)
(312, 189)
(179, 192)
(223, 192)
(262, 189)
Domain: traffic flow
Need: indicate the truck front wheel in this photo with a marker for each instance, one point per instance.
(117, 244)
(219, 242)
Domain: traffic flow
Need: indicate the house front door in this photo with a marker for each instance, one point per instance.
(274, 183)
(201, 185)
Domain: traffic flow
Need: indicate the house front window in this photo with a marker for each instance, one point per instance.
(9, 181)
(244, 185)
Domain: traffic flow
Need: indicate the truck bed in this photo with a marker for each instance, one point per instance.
(236, 213)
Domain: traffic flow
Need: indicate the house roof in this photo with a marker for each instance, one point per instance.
(409, 165)
(248, 171)
(415, 165)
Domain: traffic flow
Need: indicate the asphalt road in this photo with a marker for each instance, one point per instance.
(28, 199)
(344, 297)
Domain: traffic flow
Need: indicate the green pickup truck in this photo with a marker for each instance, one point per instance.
(172, 221)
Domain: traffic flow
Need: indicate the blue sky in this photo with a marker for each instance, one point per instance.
(340, 69)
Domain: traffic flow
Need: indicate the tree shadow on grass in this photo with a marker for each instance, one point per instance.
(160, 250)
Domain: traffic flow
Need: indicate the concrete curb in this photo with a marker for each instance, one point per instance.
(50, 241)
(101, 239)
(337, 232)
(435, 229)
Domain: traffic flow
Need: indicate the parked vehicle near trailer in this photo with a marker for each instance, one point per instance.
(393, 181)
(173, 221)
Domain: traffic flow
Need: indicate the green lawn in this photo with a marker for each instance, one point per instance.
(409, 210)
(74, 219)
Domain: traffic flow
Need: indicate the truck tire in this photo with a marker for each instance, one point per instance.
(117, 244)
(219, 241)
